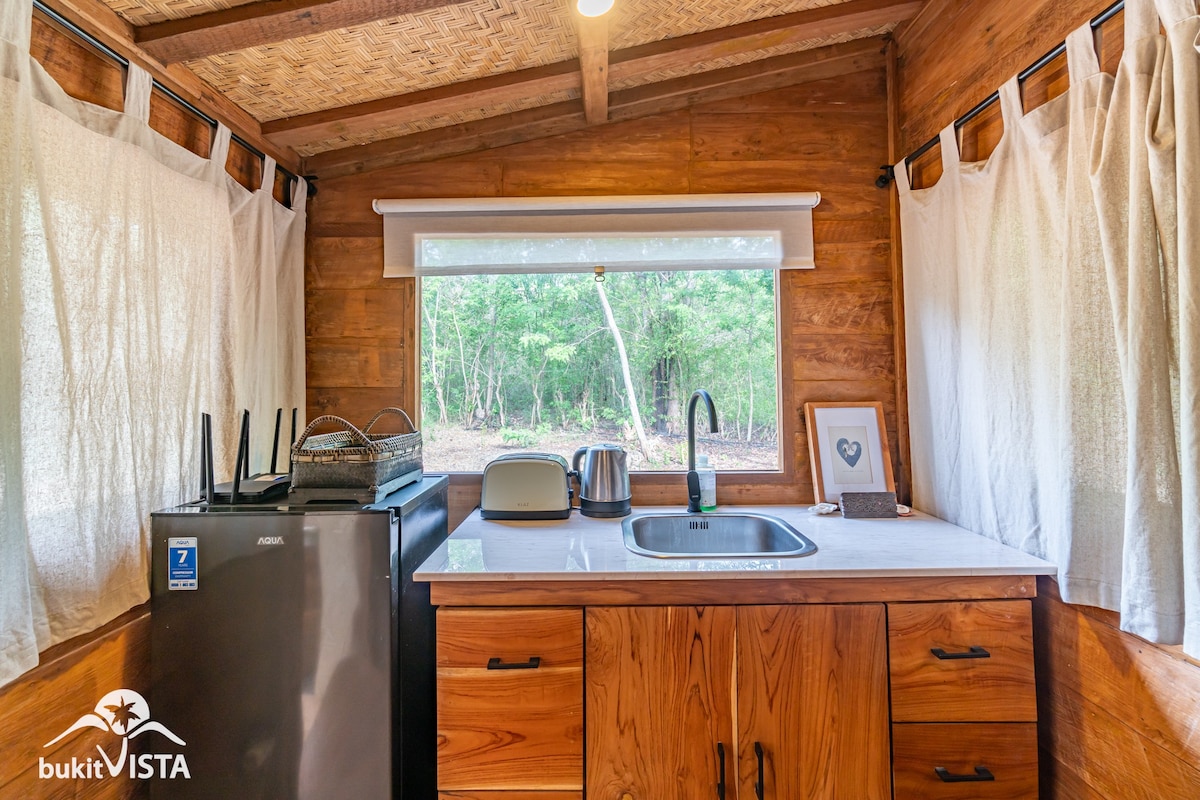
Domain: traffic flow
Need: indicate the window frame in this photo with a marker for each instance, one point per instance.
(775, 487)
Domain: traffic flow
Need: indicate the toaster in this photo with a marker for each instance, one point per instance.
(526, 486)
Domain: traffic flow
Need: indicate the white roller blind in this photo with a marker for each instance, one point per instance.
(575, 234)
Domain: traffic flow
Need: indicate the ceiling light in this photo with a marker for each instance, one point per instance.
(594, 8)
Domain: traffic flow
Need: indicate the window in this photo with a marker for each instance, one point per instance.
(521, 352)
(529, 362)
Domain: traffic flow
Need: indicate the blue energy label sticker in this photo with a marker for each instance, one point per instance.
(181, 563)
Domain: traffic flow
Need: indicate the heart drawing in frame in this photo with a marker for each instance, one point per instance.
(849, 451)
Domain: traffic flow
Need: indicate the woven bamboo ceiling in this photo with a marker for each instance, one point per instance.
(353, 84)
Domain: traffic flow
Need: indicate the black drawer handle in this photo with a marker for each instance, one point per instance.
(533, 663)
(974, 652)
(721, 775)
(981, 774)
(760, 786)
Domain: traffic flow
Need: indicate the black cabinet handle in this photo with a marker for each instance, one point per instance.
(760, 785)
(721, 774)
(532, 663)
(981, 774)
(974, 652)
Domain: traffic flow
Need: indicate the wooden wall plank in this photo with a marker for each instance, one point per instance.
(663, 137)
(1046, 84)
(356, 403)
(954, 54)
(861, 95)
(352, 199)
(526, 178)
(1122, 712)
(844, 391)
(821, 137)
(843, 307)
(1112, 670)
(903, 473)
(82, 72)
(180, 125)
(362, 313)
(843, 357)
(368, 363)
(71, 678)
(847, 189)
(346, 263)
(861, 260)
(1061, 781)
(855, 230)
(244, 166)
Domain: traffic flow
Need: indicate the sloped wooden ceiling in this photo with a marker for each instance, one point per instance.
(353, 85)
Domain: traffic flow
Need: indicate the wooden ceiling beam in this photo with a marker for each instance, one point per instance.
(642, 101)
(593, 66)
(785, 29)
(362, 118)
(265, 22)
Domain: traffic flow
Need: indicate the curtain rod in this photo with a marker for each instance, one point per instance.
(1022, 76)
(124, 62)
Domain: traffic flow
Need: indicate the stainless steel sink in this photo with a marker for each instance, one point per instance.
(718, 535)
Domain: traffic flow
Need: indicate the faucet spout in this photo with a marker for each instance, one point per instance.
(693, 479)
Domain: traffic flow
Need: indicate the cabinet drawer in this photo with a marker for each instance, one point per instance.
(517, 725)
(962, 662)
(1007, 751)
(471, 637)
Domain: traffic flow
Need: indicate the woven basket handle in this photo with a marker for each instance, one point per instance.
(390, 410)
(358, 436)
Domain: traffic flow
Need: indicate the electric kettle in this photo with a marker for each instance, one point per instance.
(603, 480)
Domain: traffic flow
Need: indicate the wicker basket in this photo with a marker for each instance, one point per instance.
(353, 458)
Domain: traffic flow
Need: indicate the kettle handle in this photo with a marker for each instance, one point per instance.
(575, 461)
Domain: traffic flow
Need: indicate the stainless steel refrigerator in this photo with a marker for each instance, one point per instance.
(291, 650)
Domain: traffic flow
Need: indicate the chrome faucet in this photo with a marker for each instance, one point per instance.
(693, 479)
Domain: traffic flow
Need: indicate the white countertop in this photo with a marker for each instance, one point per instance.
(584, 548)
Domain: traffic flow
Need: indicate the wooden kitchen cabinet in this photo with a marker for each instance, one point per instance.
(509, 703)
(964, 706)
(836, 680)
(806, 684)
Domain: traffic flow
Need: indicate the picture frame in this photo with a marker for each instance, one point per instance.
(848, 449)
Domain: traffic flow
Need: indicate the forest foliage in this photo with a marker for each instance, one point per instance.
(528, 354)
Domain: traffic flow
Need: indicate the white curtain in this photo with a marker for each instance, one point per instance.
(1052, 322)
(141, 286)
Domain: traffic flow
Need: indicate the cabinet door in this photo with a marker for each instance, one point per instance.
(659, 701)
(812, 702)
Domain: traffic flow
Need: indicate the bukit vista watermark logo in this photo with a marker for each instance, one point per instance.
(126, 714)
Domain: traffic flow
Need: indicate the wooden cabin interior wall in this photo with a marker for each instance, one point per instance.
(1119, 717)
(1117, 712)
(836, 321)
